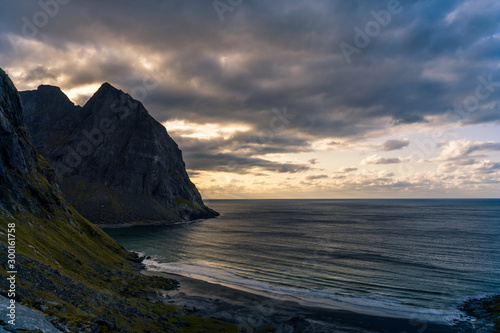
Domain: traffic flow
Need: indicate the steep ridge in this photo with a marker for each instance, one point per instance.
(114, 162)
(66, 267)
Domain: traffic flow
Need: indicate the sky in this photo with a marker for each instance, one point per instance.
(287, 98)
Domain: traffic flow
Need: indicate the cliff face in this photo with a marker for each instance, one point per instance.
(66, 267)
(114, 162)
(27, 180)
(59, 255)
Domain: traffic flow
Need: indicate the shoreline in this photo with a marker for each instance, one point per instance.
(255, 311)
(149, 223)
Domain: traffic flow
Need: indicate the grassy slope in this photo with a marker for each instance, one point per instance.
(67, 260)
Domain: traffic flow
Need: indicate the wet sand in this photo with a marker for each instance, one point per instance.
(217, 301)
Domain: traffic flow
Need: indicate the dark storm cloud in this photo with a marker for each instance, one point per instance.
(39, 73)
(244, 144)
(247, 153)
(264, 55)
(236, 164)
(490, 115)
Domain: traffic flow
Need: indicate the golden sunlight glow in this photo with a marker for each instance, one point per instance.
(223, 60)
(204, 131)
(146, 63)
(76, 95)
(224, 185)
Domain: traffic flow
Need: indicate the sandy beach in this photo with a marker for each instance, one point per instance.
(256, 311)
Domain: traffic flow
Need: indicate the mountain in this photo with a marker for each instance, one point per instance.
(114, 162)
(65, 267)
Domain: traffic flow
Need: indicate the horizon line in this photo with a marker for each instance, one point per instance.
(432, 198)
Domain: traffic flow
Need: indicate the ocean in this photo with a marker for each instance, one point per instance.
(415, 259)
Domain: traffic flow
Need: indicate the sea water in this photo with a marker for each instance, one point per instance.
(416, 259)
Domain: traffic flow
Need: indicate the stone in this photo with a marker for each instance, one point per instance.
(26, 319)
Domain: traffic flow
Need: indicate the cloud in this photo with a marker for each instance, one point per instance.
(264, 55)
(464, 149)
(236, 164)
(315, 177)
(461, 156)
(377, 159)
(390, 145)
(346, 170)
(484, 116)
(487, 166)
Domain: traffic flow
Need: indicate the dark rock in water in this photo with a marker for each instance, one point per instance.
(486, 312)
(114, 162)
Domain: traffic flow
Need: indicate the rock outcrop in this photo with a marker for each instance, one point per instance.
(28, 319)
(485, 311)
(114, 162)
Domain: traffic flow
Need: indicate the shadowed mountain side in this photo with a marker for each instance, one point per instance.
(26, 180)
(115, 163)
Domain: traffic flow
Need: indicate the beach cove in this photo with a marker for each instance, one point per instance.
(344, 283)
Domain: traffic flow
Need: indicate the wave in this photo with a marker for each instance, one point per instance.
(369, 305)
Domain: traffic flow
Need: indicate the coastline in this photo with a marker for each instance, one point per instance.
(256, 311)
(149, 223)
(196, 256)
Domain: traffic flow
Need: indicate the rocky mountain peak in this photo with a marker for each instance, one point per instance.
(54, 95)
(115, 163)
(110, 102)
(106, 89)
(49, 89)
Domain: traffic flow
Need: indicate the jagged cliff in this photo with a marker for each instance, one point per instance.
(66, 267)
(114, 162)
